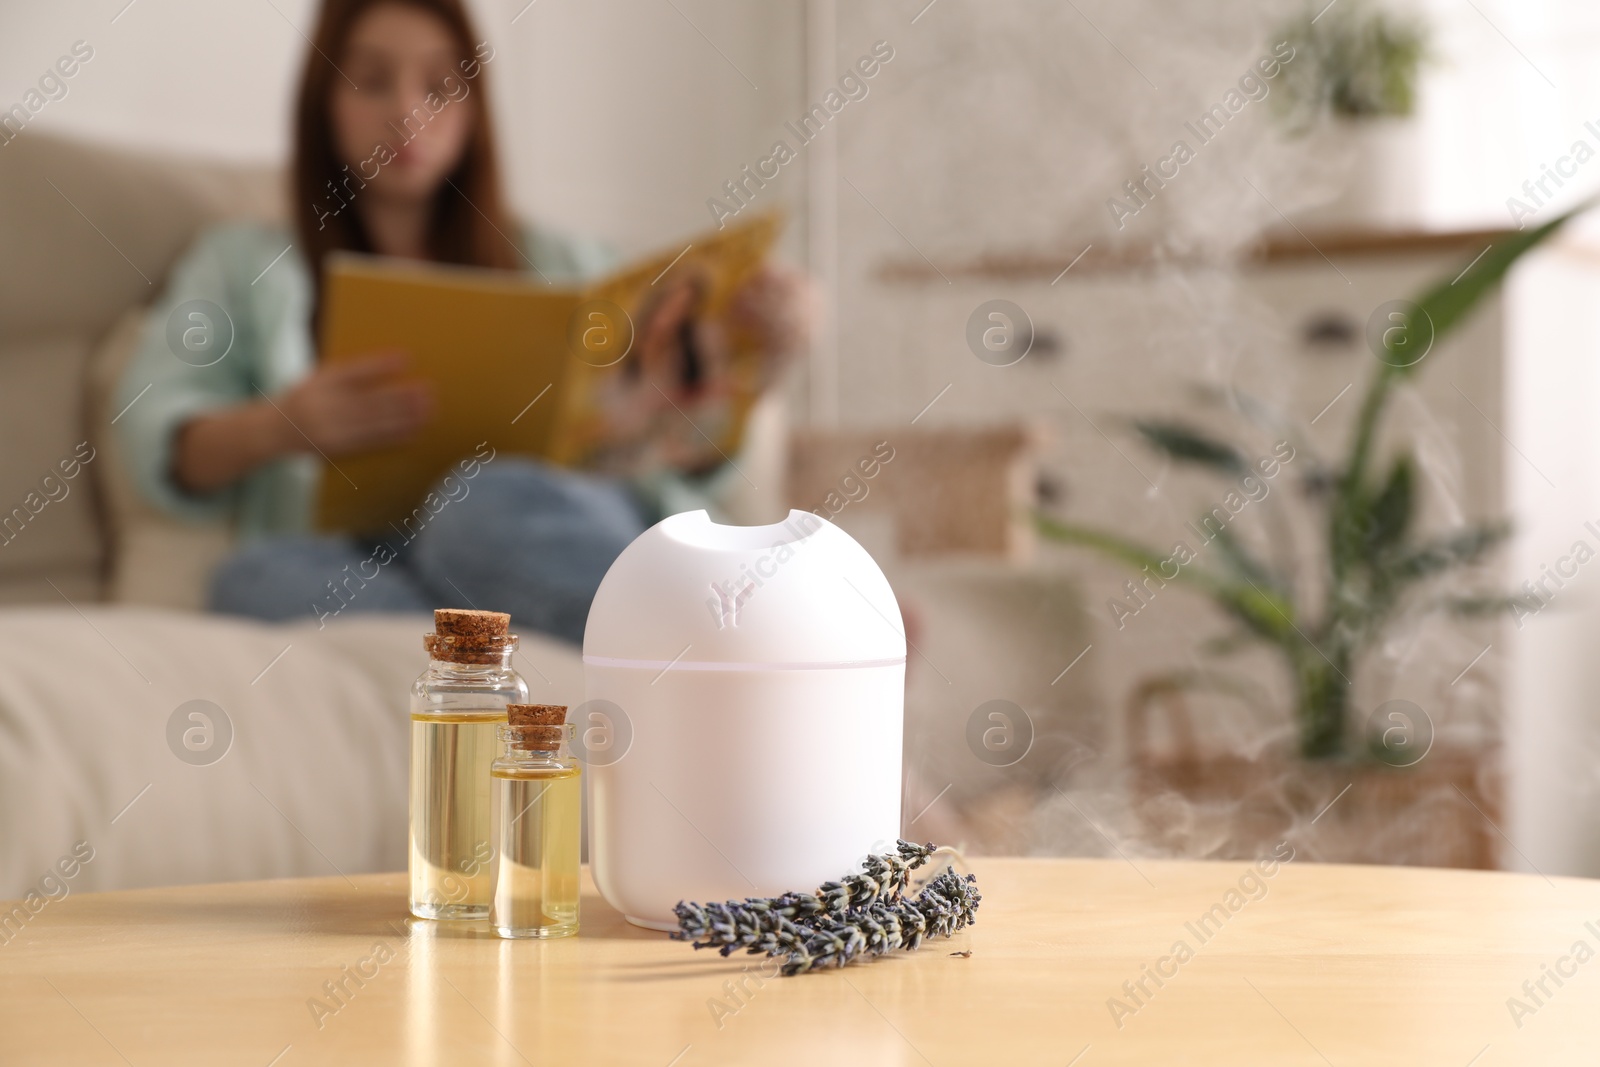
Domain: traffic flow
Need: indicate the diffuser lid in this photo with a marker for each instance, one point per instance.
(698, 595)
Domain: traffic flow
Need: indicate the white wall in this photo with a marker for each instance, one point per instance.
(207, 78)
(1552, 732)
(623, 117)
(1510, 89)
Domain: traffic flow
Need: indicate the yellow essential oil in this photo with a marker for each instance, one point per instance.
(537, 824)
(451, 842)
(456, 707)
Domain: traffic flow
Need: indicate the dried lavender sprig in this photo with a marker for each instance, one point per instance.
(809, 933)
(742, 924)
(946, 904)
(884, 876)
(755, 924)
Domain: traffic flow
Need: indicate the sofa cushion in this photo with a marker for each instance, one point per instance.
(154, 559)
(90, 230)
(312, 782)
(88, 233)
(49, 521)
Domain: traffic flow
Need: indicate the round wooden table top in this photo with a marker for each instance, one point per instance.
(1080, 962)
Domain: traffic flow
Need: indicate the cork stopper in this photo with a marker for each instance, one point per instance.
(536, 714)
(462, 635)
(470, 625)
(538, 725)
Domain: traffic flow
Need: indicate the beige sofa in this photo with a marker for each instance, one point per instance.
(98, 647)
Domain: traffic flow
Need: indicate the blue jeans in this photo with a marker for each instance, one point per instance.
(526, 539)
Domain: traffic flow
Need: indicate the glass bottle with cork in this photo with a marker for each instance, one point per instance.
(456, 706)
(537, 825)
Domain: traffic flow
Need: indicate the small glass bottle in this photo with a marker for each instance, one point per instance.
(537, 827)
(456, 706)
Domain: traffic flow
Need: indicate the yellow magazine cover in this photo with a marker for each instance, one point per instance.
(643, 369)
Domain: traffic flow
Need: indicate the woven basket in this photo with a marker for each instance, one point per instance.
(1441, 812)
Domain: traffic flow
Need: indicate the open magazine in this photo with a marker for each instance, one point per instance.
(647, 368)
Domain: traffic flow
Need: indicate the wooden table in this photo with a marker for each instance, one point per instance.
(1327, 965)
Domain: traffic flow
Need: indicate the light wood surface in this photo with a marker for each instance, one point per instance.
(1330, 966)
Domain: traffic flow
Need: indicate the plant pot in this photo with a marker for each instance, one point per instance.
(1370, 175)
(1220, 805)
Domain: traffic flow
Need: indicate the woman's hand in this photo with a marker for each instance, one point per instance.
(779, 306)
(356, 406)
(352, 407)
(676, 388)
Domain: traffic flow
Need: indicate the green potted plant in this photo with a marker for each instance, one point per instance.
(1352, 61)
(1373, 560)
(1351, 89)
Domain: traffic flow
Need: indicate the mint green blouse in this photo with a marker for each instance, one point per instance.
(260, 281)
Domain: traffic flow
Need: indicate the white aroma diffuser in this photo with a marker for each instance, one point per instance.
(760, 671)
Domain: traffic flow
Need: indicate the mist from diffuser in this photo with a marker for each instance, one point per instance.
(760, 674)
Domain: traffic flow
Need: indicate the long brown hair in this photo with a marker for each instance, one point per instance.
(469, 221)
